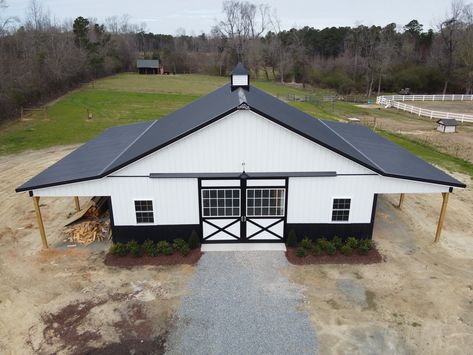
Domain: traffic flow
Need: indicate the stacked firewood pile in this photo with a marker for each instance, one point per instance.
(89, 231)
(91, 226)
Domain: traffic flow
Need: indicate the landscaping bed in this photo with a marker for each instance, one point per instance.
(155, 253)
(335, 251)
(174, 259)
(372, 257)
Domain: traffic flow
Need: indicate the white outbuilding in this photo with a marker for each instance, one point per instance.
(447, 125)
(239, 165)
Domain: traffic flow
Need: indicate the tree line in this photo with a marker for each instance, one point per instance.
(40, 58)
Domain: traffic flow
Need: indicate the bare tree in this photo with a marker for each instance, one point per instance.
(37, 18)
(465, 47)
(6, 22)
(449, 30)
(244, 21)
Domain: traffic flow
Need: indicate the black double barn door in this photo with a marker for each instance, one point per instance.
(246, 210)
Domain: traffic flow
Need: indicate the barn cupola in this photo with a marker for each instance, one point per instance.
(240, 78)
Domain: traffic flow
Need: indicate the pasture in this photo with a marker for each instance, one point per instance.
(128, 98)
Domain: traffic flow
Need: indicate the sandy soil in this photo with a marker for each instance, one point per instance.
(420, 301)
(446, 106)
(459, 144)
(66, 300)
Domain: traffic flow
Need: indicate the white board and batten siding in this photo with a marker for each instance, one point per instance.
(174, 200)
(310, 199)
(242, 137)
(223, 147)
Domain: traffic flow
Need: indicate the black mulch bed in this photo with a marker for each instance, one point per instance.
(174, 259)
(373, 257)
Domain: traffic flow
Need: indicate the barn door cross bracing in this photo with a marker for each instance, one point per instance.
(243, 210)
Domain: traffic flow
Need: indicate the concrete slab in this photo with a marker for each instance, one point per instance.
(244, 247)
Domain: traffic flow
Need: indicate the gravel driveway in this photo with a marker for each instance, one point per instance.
(242, 303)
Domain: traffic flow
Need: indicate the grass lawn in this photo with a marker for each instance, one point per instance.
(128, 98)
(430, 154)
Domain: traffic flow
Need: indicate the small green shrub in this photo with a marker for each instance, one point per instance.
(134, 248)
(352, 242)
(291, 239)
(330, 248)
(119, 249)
(346, 249)
(300, 252)
(316, 251)
(178, 244)
(161, 246)
(364, 246)
(306, 243)
(149, 248)
(322, 242)
(194, 240)
(185, 250)
(337, 241)
(168, 250)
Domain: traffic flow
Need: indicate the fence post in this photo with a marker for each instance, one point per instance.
(21, 112)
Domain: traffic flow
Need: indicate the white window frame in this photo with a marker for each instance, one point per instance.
(349, 210)
(283, 207)
(153, 211)
(220, 189)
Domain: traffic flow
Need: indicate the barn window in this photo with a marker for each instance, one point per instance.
(220, 202)
(341, 209)
(265, 202)
(144, 211)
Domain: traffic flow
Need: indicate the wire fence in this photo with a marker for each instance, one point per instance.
(321, 99)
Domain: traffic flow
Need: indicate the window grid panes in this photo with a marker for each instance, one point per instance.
(144, 211)
(220, 202)
(265, 202)
(341, 209)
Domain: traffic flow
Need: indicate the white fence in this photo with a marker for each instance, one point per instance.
(396, 101)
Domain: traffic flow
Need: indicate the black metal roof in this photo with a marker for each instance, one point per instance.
(147, 63)
(448, 122)
(239, 70)
(119, 146)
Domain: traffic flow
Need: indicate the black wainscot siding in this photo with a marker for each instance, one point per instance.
(123, 234)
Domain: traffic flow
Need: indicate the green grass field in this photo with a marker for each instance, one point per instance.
(128, 98)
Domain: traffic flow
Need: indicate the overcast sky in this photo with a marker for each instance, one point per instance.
(199, 16)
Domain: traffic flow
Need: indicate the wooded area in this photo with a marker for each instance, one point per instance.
(40, 59)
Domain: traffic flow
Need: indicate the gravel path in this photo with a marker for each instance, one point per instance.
(242, 303)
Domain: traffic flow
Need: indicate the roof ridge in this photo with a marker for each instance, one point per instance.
(128, 146)
(351, 145)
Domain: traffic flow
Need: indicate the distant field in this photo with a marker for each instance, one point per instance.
(128, 98)
(119, 99)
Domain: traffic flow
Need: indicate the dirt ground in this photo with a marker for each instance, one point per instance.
(459, 144)
(465, 107)
(67, 301)
(419, 301)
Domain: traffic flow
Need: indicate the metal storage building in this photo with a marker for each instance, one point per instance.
(239, 165)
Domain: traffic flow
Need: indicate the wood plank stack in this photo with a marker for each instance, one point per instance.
(89, 231)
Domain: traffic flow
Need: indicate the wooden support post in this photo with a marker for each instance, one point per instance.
(39, 219)
(401, 200)
(76, 201)
(442, 216)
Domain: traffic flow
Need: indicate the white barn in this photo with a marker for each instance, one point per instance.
(239, 165)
